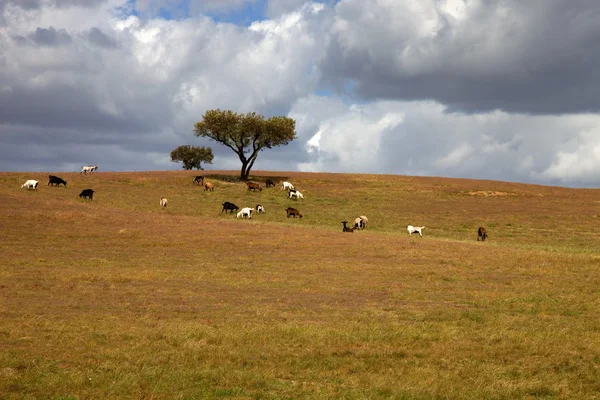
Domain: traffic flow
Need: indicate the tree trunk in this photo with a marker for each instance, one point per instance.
(245, 171)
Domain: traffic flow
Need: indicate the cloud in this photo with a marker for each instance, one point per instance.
(481, 88)
(117, 81)
(423, 138)
(527, 57)
(50, 37)
(99, 38)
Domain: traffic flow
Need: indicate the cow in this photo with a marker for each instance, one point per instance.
(199, 180)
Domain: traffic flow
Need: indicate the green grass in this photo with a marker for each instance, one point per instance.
(117, 298)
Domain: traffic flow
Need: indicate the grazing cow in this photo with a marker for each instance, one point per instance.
(55, 180)
(269, 183)
(163, 202)
(87, 193)
(245, 212)
(412, 229)
(199, 180)
(88, 168)
(227, 206)
(481, 234)
(292, 212)
(287, 185)
(345, 228)
(254, 186)
(295, 194)
(209, 186)
(30, 184)
(259, 209)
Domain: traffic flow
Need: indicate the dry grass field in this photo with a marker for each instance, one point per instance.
(117, 298)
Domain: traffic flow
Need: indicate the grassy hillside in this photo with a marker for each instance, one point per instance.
(117, 298)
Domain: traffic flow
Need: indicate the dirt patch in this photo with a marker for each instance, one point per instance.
(490, 193)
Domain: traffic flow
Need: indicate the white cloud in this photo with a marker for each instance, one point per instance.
(456, 156)
(415, 87)
(424, 139)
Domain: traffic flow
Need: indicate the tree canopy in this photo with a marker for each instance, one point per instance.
(192, 156)
(246, 134)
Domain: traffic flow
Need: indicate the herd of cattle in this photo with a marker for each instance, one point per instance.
(246, 212)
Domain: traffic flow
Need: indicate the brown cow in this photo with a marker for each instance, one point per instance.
(269, 183)
(209, 186)
(292, 212)
(481, 233)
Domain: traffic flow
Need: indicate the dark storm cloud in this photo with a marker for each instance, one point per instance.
(50, 37)
(518, 56)
(24, 4)
(61, 106)
(99, 38)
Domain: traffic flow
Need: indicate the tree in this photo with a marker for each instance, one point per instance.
(192, 156)
(245, 134)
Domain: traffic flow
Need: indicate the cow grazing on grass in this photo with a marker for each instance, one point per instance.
(209, 186)
(259, 209)
(227, 206)
(254, 186)
(163, 202)
(87, 193)
(412, 229)
(30, 184)
(55, 180)
(269, 183)
(481, 234)
(292, 212)
(199, 180)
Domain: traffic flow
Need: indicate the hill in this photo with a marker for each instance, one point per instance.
(117, 298)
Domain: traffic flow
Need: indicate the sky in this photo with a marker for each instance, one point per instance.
(485, 89)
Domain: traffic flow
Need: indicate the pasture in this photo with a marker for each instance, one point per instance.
(119, 298)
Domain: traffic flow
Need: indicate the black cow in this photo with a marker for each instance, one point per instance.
(227, 206)
(269, 183)
(199, 180)
(89, 193)
(55, 180)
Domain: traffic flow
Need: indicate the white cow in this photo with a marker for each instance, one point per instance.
(412, 229)
(287, 185)
(163, 202)
(260, 209)
(30, 184)
(295, 194)
(245, 212)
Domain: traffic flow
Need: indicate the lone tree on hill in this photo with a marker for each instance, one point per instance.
(245, 134)
(192, 156)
